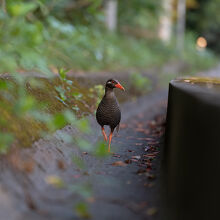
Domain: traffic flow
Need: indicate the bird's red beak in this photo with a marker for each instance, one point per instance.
(118, 85)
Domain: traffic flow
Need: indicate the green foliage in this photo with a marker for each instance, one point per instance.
(58, 121)
(140, 82)
(78, 162)
(205, 20)
(101, 149)
(20, 8)
(6, 140)
(63, 76)
(139, 13)
(61, 92)
(41, 35)
(22, 43)
(84, 126)
(29, 108)
(77, 95)
(98, 91)
(193, 59)
(84, 190)
(84, 145)
(82, 210)
(24, 104)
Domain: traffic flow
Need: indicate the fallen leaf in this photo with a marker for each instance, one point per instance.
(140, 125)
(151, 176)
(149, 139)
(55, 181)
(128, 161)
(136, 157)
(137, 207)
(153, 142)
(149, 156)
(151, 211)
(151, 184)
(116, 155)
(139, 129)
(139, 144)
(61, 165)
(149, 169)
(145, 139)
(141, 171)
(152, 124)
(30, 201)
(28, 166)
(90, 199)
(77, 176)
(147, 131)
(147, 148)
(122, 125)
(119, 163)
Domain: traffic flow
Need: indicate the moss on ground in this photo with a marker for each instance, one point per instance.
(24, 127)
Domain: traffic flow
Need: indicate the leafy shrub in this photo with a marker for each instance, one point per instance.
(141, 83)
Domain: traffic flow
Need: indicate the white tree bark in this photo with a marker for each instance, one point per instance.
(3, 5)
(165, 27)
(111, 7)
(181, 10)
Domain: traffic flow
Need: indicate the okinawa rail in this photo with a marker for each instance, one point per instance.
(108, 112)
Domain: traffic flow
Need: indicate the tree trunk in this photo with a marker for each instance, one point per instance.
(111, 14)
(3, 4)
(181, 11)
(165, 27)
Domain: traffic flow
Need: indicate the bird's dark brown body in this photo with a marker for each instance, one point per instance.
(108, 112)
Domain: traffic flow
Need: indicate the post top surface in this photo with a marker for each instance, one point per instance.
(202, 88)
(198, 80)
(202, 84)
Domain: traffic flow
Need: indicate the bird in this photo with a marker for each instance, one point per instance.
(108, 111)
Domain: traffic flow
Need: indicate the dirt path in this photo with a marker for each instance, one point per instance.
(215, 72)
(128, 187)
(125, 185)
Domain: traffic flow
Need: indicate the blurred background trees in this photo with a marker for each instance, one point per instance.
(43, 35)
(204, 19)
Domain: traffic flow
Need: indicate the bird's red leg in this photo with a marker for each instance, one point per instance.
(110, 139)
(104, 134)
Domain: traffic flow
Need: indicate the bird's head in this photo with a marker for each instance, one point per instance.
(113, 83)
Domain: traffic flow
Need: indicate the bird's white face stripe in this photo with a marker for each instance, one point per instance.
(112, 81)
